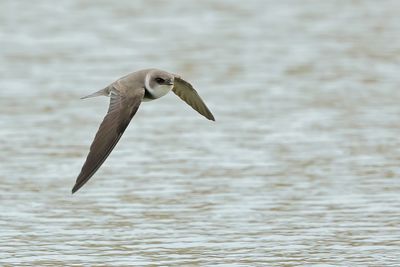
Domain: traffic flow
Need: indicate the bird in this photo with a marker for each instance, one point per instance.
(126, 94)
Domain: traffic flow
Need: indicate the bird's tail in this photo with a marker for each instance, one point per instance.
(105, 92)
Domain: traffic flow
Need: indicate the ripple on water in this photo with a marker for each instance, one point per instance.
(300, 167)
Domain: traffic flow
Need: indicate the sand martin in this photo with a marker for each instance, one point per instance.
(126, 94)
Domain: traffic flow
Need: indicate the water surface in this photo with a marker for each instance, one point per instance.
(301, 167)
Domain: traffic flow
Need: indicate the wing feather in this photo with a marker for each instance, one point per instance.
(123, 106)
(187, 93)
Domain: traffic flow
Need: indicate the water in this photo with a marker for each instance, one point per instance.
(300, 169)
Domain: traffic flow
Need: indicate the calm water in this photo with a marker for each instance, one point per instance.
(301, 167)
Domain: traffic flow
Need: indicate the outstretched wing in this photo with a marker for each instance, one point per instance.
(187, 93)
(123, 106)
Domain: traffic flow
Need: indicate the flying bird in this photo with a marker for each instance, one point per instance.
(126, 94)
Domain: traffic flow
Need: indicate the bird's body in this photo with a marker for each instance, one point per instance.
(126, 94)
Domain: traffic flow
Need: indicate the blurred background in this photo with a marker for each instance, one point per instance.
(301, 167)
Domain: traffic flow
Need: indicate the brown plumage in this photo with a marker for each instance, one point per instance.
(126, 95)
(186, 92)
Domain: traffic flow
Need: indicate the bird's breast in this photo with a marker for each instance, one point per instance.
(148, 96)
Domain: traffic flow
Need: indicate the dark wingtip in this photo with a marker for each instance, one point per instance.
(75, 188)
(210, 116)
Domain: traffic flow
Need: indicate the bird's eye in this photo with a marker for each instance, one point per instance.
(160, 80)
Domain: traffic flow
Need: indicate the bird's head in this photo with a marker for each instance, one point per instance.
(159, 82)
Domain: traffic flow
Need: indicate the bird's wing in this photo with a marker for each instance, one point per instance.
(187, 93)
(123, 106)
